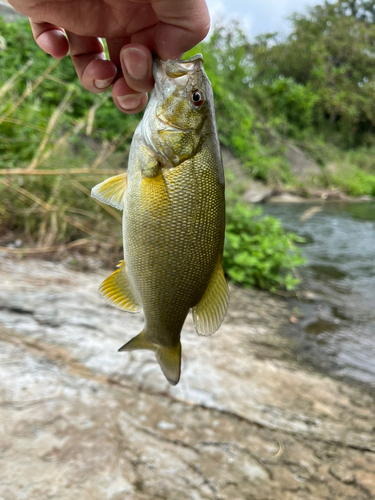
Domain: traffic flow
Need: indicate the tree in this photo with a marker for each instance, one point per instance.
(331, 51)
(363, 10)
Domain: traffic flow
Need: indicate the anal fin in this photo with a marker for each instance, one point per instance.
(210, 311)
(111, 191)
(117, 290)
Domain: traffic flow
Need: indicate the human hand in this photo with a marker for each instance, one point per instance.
(133, 29)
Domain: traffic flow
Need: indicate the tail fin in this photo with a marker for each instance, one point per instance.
(169, 358)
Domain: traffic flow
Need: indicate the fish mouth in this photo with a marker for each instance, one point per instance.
(179, 70)
(175, 68)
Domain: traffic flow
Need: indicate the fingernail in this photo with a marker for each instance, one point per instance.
(136, 63)
(102, 84)
(129, 102)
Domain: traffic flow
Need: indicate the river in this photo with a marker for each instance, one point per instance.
(335, 328)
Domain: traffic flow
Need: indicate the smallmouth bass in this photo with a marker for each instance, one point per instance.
(172, 198)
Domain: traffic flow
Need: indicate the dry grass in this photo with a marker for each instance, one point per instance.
(29, 90)
(47, 201)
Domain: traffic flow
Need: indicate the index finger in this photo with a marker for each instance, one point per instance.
(50, 38)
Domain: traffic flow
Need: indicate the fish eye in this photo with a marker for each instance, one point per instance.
(197, 97)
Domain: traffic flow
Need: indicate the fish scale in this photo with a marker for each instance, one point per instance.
(174, 213)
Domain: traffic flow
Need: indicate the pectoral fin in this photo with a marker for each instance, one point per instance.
(169, 358)
(210, 312)
(111, 191)
(117, 290)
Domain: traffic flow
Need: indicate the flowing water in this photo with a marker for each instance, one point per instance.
(335, 327)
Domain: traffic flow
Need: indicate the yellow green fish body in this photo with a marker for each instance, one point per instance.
(174, 215)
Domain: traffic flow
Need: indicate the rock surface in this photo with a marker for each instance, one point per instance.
(80, 420)
(257, 192)
(304, 168)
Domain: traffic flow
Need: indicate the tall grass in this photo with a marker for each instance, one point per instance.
(50, 162)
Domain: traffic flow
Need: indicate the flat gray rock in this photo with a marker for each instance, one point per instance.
(257, 192)
(301, 166)
(80, 420)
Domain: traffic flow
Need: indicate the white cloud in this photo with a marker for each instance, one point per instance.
(227, 9)
(259, 16)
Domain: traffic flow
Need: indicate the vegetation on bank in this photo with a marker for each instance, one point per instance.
(258, 251)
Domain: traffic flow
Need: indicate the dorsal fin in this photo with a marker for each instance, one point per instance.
(210, 312)
(111, 191)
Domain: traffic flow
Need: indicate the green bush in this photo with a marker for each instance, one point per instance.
(288, 105)
(356, 182)
(258, 251)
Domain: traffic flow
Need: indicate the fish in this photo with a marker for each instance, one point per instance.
(173, 202)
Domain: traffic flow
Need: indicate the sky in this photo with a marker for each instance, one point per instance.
(259, 16)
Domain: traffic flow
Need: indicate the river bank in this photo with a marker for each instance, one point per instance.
(306, 186)
(246, 421)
